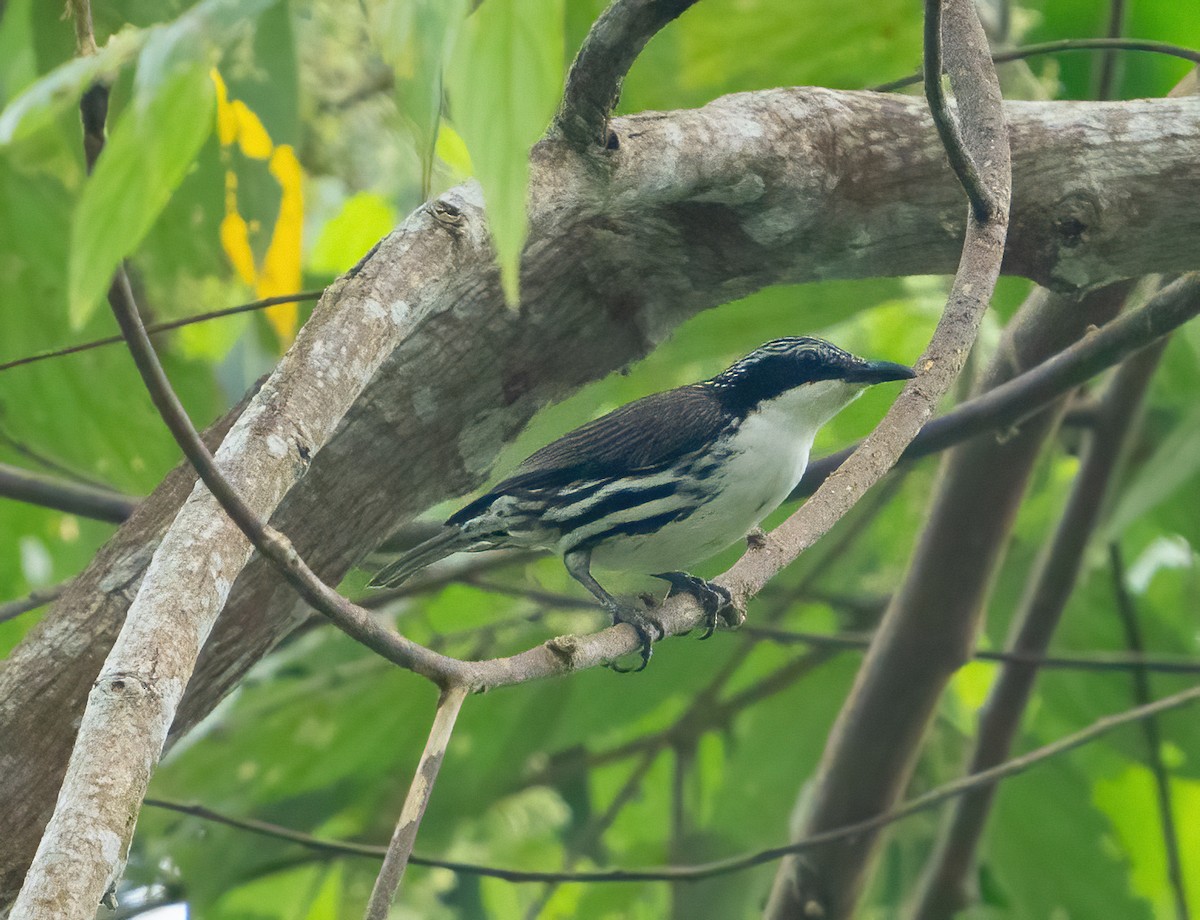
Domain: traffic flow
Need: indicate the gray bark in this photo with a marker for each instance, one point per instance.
(694, 209)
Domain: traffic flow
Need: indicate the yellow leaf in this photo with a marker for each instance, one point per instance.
(235, 240)
(251, 135)
(281, 267)
(226, 120)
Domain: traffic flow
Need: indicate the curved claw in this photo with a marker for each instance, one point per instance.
(644, 626)
(712, 597)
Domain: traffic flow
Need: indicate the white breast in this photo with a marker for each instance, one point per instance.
(763, 460)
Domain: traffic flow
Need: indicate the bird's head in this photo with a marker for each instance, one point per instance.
(814, 376)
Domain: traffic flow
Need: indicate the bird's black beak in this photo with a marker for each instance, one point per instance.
(879, 372)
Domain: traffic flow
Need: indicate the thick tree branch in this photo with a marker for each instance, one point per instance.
(133, 703)
(414, 374)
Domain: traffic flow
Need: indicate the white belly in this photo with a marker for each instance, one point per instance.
(768, 455)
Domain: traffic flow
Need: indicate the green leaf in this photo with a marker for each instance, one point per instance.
(41, 103)
(363, 220)
(1173, 464)
(143, 162)
(1050, 851)
(415, 38)
(505, 82)
(152, 145)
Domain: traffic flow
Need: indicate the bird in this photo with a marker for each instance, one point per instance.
(666, 481)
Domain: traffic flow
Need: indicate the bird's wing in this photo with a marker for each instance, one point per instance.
(637, 437)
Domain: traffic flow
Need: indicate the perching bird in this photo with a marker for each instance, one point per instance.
(668, 480)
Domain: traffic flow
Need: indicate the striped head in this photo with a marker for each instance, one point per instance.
(804, 369)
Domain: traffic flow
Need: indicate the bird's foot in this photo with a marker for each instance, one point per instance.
(714, 599)
(647, 628)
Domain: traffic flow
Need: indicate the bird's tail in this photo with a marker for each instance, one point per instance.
(451, 540)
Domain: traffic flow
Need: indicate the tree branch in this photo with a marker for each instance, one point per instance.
(125, 724)
(1079, 661)
(1008, 404)
(155, 328)
(1059, 47)
(715, 868)
(960, 158)
(942, 891)
(829, 880)
(61, 495)
(594, 80)
(700, 207)
(400, 849)
(38, 598)
(1127, 610)
(355, 621)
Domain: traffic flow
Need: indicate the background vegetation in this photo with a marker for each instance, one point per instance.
(276, 171)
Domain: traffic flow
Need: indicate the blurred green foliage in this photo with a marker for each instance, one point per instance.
(322, 737)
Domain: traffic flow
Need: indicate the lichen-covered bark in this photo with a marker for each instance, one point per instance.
(693, 209)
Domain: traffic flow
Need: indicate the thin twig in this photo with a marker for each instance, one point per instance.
(85, 39)
(1095, 661)
(594, 80)
(62, 495)
(1106, 77)
(589, 835)
(1059, 47)
(1127, 610)
(715, 868)
(34, 599)
(156, 328)
(961, 160)
(50, 463)
(399, 851)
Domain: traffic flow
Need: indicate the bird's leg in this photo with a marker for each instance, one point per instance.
(578, 563)
(712, 597)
